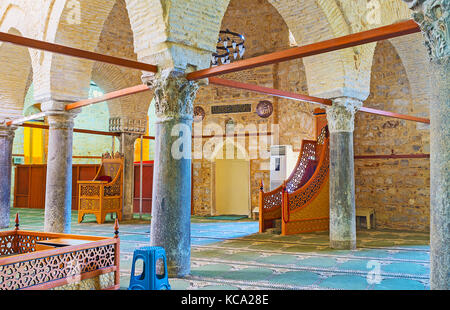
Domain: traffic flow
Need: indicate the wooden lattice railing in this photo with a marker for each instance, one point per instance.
(299, 190)
(23, 267)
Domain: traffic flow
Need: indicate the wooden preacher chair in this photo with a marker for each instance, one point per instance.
(104, 194)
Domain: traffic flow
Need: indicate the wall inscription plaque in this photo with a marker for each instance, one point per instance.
(232, 108)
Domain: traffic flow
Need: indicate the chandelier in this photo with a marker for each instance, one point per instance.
(230, 45)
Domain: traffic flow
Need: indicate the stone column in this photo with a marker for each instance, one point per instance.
(6, 143)
(58, 195)
(341, 117)
(171, 208)
(433, 17)
(127, 141)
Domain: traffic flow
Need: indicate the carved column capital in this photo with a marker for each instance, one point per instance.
(433, 17)
(341, 115)
(60, 119)
(7, 132)
(130, 125)
(174, 94)
(128, 139)
(412, 4)
(57, 116)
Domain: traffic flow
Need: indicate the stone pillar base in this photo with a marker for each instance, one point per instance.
(343, 245)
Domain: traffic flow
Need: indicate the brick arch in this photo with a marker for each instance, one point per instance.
(15, 72)
(328, 75)
(11, 18)
(111, 78)
(177, 33)
(117, 36)
(362, 15)
(68, 78)
(415, 59)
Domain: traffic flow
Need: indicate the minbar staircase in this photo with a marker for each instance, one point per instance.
(301, 203)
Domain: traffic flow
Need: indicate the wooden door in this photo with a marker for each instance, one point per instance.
(232, 187)
(147, 188)
(30, 183)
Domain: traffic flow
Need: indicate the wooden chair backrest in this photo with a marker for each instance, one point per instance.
(111, 165)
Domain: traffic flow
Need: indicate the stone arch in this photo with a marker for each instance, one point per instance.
(15, 73)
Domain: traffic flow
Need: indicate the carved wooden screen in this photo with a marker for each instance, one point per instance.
(301, 196)
(22, 267)
(271, 202)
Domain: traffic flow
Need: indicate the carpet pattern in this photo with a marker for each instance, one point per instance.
(231, 255)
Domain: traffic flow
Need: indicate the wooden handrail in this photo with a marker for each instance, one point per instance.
(351, 40)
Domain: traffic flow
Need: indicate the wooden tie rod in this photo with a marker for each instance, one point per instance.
(113, 95)
(75, 52)
(315, 100)
(364, 37)
(395, 115)
(268, 91)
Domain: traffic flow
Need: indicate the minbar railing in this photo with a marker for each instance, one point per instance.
(26, 265)
(301, 203)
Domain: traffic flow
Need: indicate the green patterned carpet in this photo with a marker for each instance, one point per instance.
(230, 255)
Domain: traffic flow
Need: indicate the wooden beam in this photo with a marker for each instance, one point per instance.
(86, 131)
(116, 134)
(293, 96)
(393, 156)
(369, 36)
(113, 95)
(22, 120)
(74, 52)
(268, 91)
(395, 115)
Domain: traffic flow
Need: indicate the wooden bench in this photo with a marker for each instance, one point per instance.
(369, 214)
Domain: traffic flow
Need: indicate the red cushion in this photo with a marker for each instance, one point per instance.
(106, 178)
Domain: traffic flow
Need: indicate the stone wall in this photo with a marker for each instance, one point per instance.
(398, 189)
(265, 32)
